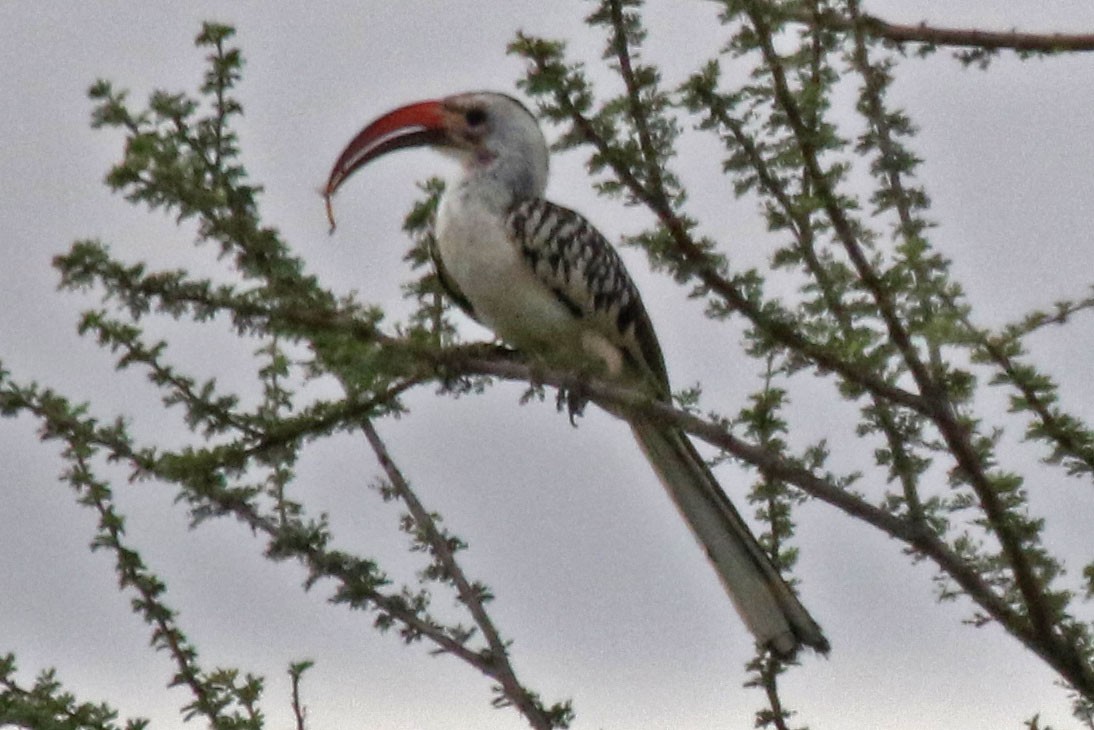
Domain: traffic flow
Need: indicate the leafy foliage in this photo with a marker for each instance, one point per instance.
(877, 310)
(873, 311)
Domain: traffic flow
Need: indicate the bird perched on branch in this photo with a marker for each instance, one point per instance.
(546, 282)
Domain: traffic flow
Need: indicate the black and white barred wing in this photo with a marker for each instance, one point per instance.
(587, 275)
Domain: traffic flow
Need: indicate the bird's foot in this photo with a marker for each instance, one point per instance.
(573, 400)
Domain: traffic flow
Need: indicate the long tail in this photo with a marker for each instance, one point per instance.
(767, 604)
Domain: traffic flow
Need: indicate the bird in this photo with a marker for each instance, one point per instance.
(548, 284)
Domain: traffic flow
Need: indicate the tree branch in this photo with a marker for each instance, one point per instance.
(696, 261)
(495, 662)
(917, 535)
(954, 432)
(958, 37)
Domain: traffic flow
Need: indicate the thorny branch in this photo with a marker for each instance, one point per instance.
(963, 37)
(956, 434)
(313, 318)
(494, 662)
(1036, 626)
(697, 261)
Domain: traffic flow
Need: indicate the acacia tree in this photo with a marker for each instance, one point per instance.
(876, 315)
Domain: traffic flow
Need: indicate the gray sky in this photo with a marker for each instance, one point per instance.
(608, 599)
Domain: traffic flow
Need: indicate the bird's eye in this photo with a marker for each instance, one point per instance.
(475, 117)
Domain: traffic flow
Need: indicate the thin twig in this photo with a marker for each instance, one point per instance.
(1068, 441)
(769, 676)
(960, 37)
(636, 107)
(697, 261)
(956, 435)
(299, 712)
(917, 536)
(494, 663)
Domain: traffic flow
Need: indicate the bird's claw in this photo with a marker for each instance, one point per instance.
(573, 400)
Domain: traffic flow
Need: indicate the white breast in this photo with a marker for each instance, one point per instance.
(505, 293)
(490, 271)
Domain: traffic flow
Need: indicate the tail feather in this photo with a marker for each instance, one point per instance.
(766, 603)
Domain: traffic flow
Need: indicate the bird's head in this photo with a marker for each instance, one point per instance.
(487, 132)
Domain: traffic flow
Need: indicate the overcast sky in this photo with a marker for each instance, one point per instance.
(599, 584)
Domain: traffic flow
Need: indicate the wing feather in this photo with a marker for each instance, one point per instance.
(586, 273)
